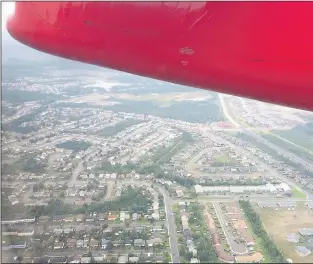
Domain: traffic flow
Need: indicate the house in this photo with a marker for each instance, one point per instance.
(104, 243)
(124, 216)
(26, 232)
(58, 245)
(82, 243)
(133, 259)
(85, 260)
(93, 244)
(190, 245)
(86, 241)
(139, 242)
(43, 218)
(134, 216)
(158, 258)
(95, 228)
(102, 217)
(127, 242)
(139, 228)
(68, 219)
(306, 231)
(112, 217)
(80, 228)
(222, 255)
(57, 218)
(122, 259)
(71, 242)
(253, 258)
(215, 238)
(117, 243)
(182, 207)
(293, 237)
(150, 242)
(303, 251)
(6, 246)
(59, 259)
(179, 193)
(79, 243)
(80, 218)
(74, 259)
(99, 258)
(89, 219)
(10, 232)
(13, 199)
(154, 241)
(157, 228)
(156, 216)
(58, 231)
(68, 230)
(10, 222)
(108, 232)
(187, 233)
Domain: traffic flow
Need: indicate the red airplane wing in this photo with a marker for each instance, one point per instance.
(260, 50)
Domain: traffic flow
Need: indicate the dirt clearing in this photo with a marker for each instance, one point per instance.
(282, 222)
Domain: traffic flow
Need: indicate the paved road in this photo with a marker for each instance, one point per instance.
(288, 154)
(278, 149)
(171, 227)
(263, 164)
(235, 247)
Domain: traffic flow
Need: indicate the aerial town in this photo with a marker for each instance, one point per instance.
(104, 167)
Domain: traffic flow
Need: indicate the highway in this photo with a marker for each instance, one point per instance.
(272, 146)
(278, 149)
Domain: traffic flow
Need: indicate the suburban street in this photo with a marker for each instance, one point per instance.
(235, 247)
(171, 227)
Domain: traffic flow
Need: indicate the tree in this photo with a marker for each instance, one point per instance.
(38, 186)
(127, 223)
(109, 245)
(257, 227)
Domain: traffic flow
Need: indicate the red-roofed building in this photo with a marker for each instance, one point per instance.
(112, 217)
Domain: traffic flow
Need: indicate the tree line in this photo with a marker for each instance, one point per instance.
(268, 245)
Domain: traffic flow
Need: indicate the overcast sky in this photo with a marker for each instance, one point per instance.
(7, 9)
(12, 48)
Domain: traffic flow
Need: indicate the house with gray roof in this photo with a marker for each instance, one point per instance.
(303, 251)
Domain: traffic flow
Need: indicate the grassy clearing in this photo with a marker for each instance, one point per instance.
(297, 193)
(280, 223)
(224, 160)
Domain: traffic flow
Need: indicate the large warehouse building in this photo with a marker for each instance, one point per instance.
(283, 187)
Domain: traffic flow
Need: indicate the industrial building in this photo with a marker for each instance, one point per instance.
(270, 188)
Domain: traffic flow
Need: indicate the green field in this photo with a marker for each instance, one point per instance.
(300, 151)
(224, 160)
(301, 135)
(297, 193)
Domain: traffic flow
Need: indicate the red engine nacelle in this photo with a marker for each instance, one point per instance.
(260, 50)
